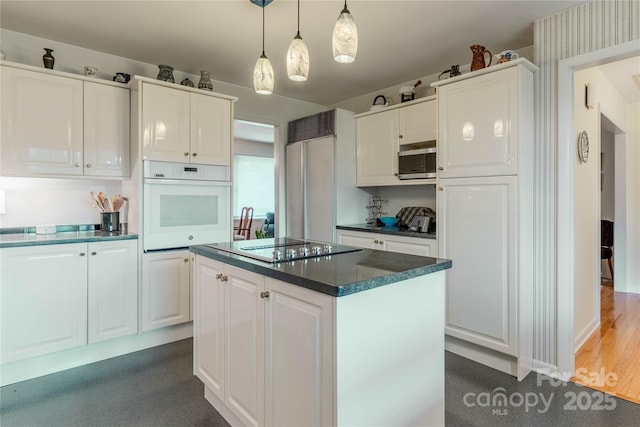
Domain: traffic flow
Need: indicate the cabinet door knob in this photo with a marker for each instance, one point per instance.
(400, 136)
(224, 278)
(264, 294)
(88, 165)
(82, 254)
(395, 174)
(375, 241)
(219, 276)
(440, 188)
(194, 154)
(186, 260)
(93, 253)
(381, 242)
(440, 168)
(78, 165)
(186, 154)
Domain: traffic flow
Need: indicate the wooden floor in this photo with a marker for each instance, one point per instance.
(610, 359)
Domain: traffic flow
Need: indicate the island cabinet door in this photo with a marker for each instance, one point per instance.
(299, 356)
(244, 344)
(208, 324)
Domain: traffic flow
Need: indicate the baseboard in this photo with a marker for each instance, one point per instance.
(584, 335)
(34, 367)
(491, 358)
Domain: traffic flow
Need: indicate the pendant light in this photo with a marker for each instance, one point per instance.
(345, 37)
(263, 72)
(298, 56)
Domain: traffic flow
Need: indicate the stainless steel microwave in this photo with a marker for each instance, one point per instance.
(417, 163)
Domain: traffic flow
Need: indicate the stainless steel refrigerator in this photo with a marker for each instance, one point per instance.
(320, 176)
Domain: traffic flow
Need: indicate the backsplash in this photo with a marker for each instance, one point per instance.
(410, 195)
(34, 201)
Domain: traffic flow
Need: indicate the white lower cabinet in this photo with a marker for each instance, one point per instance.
(165, 288)
(482, 287)
(113, 289)
(56, 297)
(389, 242)
(258, 367)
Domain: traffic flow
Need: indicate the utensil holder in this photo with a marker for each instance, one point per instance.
(110, 221)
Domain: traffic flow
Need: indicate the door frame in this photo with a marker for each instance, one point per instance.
(565, 194)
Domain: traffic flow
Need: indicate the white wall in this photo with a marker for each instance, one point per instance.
(31, 201)
(411, 195)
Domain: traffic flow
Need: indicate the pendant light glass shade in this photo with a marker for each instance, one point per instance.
(345, 37)
(263, 76)
(298, 56)
(298, 60)
(263, 71)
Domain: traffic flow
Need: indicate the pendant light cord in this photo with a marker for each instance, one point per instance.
(263, 27)
(299, 16)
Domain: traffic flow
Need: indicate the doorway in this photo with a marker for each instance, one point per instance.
(569, 260)
(254, 177)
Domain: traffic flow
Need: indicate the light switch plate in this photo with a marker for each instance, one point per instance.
(46, 229)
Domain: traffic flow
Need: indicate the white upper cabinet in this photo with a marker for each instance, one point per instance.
(181, 126)
(478, 130)
(377, 149)
(418, 122)
(379, 135)
(165, 124)
(210, 130)
(56, 123)
(41, 123)
(106, 130)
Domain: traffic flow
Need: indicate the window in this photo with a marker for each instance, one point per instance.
(253, 184)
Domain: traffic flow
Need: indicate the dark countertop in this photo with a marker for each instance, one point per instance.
(336, 275)
(386, 230)
(26, 236)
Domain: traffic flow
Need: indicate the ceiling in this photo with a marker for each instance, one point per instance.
(400, 41)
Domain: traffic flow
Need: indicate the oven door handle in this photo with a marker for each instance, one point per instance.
(186, 182)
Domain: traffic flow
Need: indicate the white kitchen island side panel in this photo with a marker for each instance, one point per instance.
(389, 361)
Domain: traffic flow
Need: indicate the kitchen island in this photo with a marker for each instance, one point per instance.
(347, 336)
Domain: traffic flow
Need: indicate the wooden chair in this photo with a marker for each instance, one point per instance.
(243, 230)
(606, 242)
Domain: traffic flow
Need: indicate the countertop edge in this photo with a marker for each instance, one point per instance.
(61, 240)
(335, 291)
(386, 230)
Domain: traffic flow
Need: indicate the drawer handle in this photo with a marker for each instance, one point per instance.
(381, 242)
(375, 241)
(82, 254)
(264, 294)
(186, 154)
(93, 253)
(194, 154)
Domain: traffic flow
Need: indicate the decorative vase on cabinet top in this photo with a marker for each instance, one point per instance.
(205, 81)
(48, 59)
(477, 61)
(165, 73)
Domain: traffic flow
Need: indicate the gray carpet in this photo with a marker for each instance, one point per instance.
(156, 387)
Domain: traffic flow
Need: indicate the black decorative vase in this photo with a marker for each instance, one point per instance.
(165, 73)
(48, 59)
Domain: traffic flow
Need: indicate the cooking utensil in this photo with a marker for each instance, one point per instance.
(98, 202)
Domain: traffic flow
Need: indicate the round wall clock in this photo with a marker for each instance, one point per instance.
(583, 146)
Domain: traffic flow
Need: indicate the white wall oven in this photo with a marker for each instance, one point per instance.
(185, 204)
